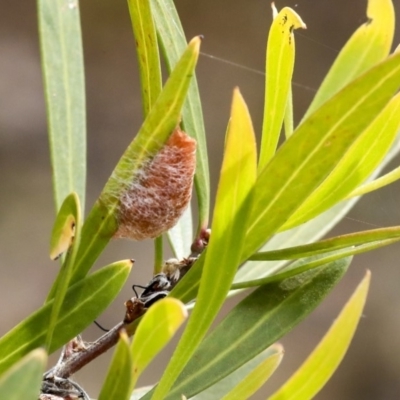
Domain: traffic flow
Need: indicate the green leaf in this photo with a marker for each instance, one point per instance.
(288, 118)
(83, 303)
(172, 39)
(369, 45)
(23, 380)
(257, 322)
(366, 153)
(315, 261)
(305, 233)
(255, 379)
(225, 385)
(309, 379)
(117, 384)
(279, 70)
(376, 184)
(312, 152)
(69, 218)
(147, 51)
(63, 232)
(327, 245)
(62, 66)
(181, 235)
(238, 175)
(155, 330)
(101, 223)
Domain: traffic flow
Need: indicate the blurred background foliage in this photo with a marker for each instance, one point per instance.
(236, 32)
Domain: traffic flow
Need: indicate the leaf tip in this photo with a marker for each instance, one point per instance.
(196, 42)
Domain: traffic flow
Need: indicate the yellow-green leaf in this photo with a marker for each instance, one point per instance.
(238, 174)
(118, 380)
(376, 184)
(64, 227)
(369, 45)
(309, 379)
(155, 330)
(226, 384)
(279, 70)
(23, 380)
(68, 219)
(256, 378)
(306, 159)
(354, 166)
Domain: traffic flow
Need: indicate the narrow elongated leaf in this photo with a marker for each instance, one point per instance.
(147, 51)
(62, 65)
(181, 235)
(309, 263)
(312, 152)
(70, 214)
(101, 223)
(150, 74)
(83, 303)
(155, 330)
(23, 380)
(376, 184)
(279, 70)
(255, 379)
(118, 381)
(305, 233)
(369, 45)
(355, 166)
(238, 175)
(324, 246)
(309, 379)
(225, 385)
(253, 325)
(173, 42)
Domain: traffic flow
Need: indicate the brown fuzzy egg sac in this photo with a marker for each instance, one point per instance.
(160, 192)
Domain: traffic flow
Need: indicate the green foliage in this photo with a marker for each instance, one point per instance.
(323, 361)
(266, 218)
(83, 303)
(117, 384)
(62, 60)
(23, 380)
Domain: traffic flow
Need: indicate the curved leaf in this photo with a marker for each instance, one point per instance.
(83, 303)
(63, 232)
(279, 70)
(309, 379)
(70, 214)
(355, 165)
(238, 175)
(253, 325)
(312, 152)
(23, 380)
(62, 65)
(369, 45)
(376, 184)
